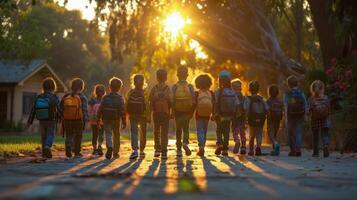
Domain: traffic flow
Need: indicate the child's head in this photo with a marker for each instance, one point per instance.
(203, 81)
(317, 88)
(49, 85)
(139, 81)
(161, 75)
(77, 85)
(115, 84)
(292, 81)
(224, 79)
(237, 85)
(99, 90)
(182, 72)
(273, 91)
(254, 87)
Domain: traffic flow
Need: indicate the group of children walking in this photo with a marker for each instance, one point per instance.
(227, 106)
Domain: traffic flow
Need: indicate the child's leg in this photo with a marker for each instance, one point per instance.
(315, 141)
(108, 134)
(259, 135)
(298, 134)
(43, 132)
(186, 131)
(251, 138)
(51, 129)
(157, 140)
(179, 128)
(69, 136)
(164, 134)
(242, 135)
(94, 136)
(78, 136)
(219, 133)
(100, 136)
(226, 130)
(200, 132)
(116, 137)
(142, 134)
(235, 131)
(325, 137)
(291, 134)
(206, 121)
(270, 129)
(134, 133)
(276, 130)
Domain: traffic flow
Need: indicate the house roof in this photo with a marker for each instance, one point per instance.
(17, 72)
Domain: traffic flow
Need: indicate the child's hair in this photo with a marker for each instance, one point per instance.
(115, 84)
(254, 87)
(77, 85)
(161, 75)
(99, 90)
(182, 72)
(203, 81)
(224, 82)
(317, 88)
(139, 81)
(273, 91)
(292, 81)
(49, 85)
(236, 84)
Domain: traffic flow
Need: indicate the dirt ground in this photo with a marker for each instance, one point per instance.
(212, 177)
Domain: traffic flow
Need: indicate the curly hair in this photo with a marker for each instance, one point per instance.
(203, 81)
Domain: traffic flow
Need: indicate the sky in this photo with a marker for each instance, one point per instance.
(84, 6)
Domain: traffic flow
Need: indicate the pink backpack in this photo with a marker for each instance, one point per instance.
(93, 113)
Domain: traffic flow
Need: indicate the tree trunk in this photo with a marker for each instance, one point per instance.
(298, 10)
(322, 13)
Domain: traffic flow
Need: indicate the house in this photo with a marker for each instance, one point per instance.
(20, 83)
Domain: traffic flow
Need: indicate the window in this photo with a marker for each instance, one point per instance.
(3, 107)
(28, 99)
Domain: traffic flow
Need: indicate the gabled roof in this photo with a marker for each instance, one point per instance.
(17, 72)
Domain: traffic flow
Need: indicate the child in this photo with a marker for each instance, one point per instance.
(139, 114)
(45, 109)
(97, 129)
(275, 115)
(183, 96)
(238, 122)
(319, 108)
(295, 109)
(160, 101)
(111, 111)
(204, 99)
(225, 109)
(75, 115)
(256, 109)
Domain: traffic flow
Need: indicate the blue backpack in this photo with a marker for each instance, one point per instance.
(296, 103)
(43, 108)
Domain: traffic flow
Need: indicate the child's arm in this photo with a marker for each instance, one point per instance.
(148, 107)
(85, 108)
(193, 95)
(173, 102)
(31, 116)
(122, 112)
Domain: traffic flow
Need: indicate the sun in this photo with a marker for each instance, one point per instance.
(173, 24)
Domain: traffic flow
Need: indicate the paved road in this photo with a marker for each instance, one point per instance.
(212, 177)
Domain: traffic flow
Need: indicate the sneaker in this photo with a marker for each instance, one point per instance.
(157, 154)
(100, 151)
(78, 155)
(218, 150)
(134, 155)
(251, 152)
(164, 156)
(292, 153)
(115, 156)
(187, 150)
(95, 152)
(201, 152)
(47, 152)
(277, 149)
(243, 150)
(179, 153)
(326, 152)
(236, 148)
(258, 151)
(224, 153)
(298, 154)
(68, 152)
(109, 153)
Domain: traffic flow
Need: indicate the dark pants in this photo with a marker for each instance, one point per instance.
(161, 128)
(273, 128)
(74, 134)
(295, 129)
(315, 138)
(112, 135)
(47, 129)
(182, 125)
(97, 136)
(223, 129)
(135, 123)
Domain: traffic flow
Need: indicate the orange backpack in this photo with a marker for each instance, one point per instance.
(161, 100)
(204, 103)
(72, 107)
(183, 98)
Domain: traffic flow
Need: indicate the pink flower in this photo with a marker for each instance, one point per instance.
(348, 73)
(337, 84)
(329, 71)
(333, 61)
(354, 52)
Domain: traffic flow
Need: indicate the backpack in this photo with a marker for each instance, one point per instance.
(276, 109)
(296, 104)
(183, 98)
(160, 101)
(93, 114)
(227, 103)
(320, 108)
(72, 107)
(256, 113)
(111, 107)
(204, 106)
(43, 108)
(136, 102)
